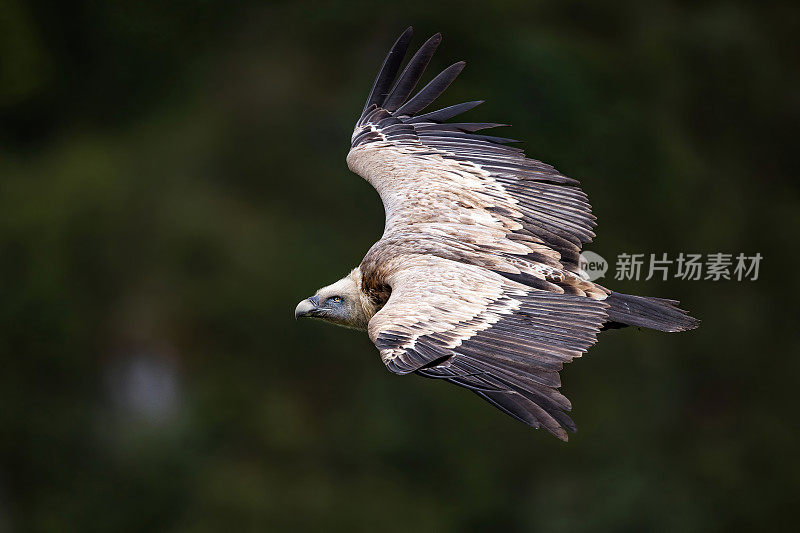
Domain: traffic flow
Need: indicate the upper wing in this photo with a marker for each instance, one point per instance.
(452, 184)
(474, 328)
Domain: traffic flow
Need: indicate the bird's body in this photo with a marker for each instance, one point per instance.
(476, 279)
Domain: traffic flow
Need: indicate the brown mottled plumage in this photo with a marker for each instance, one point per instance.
(476, 279)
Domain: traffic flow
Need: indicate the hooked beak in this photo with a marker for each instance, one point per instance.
(307, 307)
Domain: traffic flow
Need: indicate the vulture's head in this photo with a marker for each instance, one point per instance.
(338, 303)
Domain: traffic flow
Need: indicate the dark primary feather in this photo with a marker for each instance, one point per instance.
(432, 90)
(389, 69)
(456, 126)
(446, 113)
(412, 74)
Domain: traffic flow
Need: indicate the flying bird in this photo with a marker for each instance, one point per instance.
(476, 280)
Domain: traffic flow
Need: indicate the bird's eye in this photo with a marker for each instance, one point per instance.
(335, 299)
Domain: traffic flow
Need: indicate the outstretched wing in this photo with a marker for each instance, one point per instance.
(466, 196)
(477, 329)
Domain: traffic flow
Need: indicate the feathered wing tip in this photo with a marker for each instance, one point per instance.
(412, 74)
(527, 412)
(431, 92)
(446, 113)
(395, 96)
(389, 69)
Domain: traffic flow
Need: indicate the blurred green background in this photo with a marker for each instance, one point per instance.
(173, 183)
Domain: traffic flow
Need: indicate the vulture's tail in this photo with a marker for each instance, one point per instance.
(647, 312)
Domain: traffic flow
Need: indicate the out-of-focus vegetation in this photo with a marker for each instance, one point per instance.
(173, 182)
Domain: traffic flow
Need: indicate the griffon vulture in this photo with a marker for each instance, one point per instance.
(476, 279)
